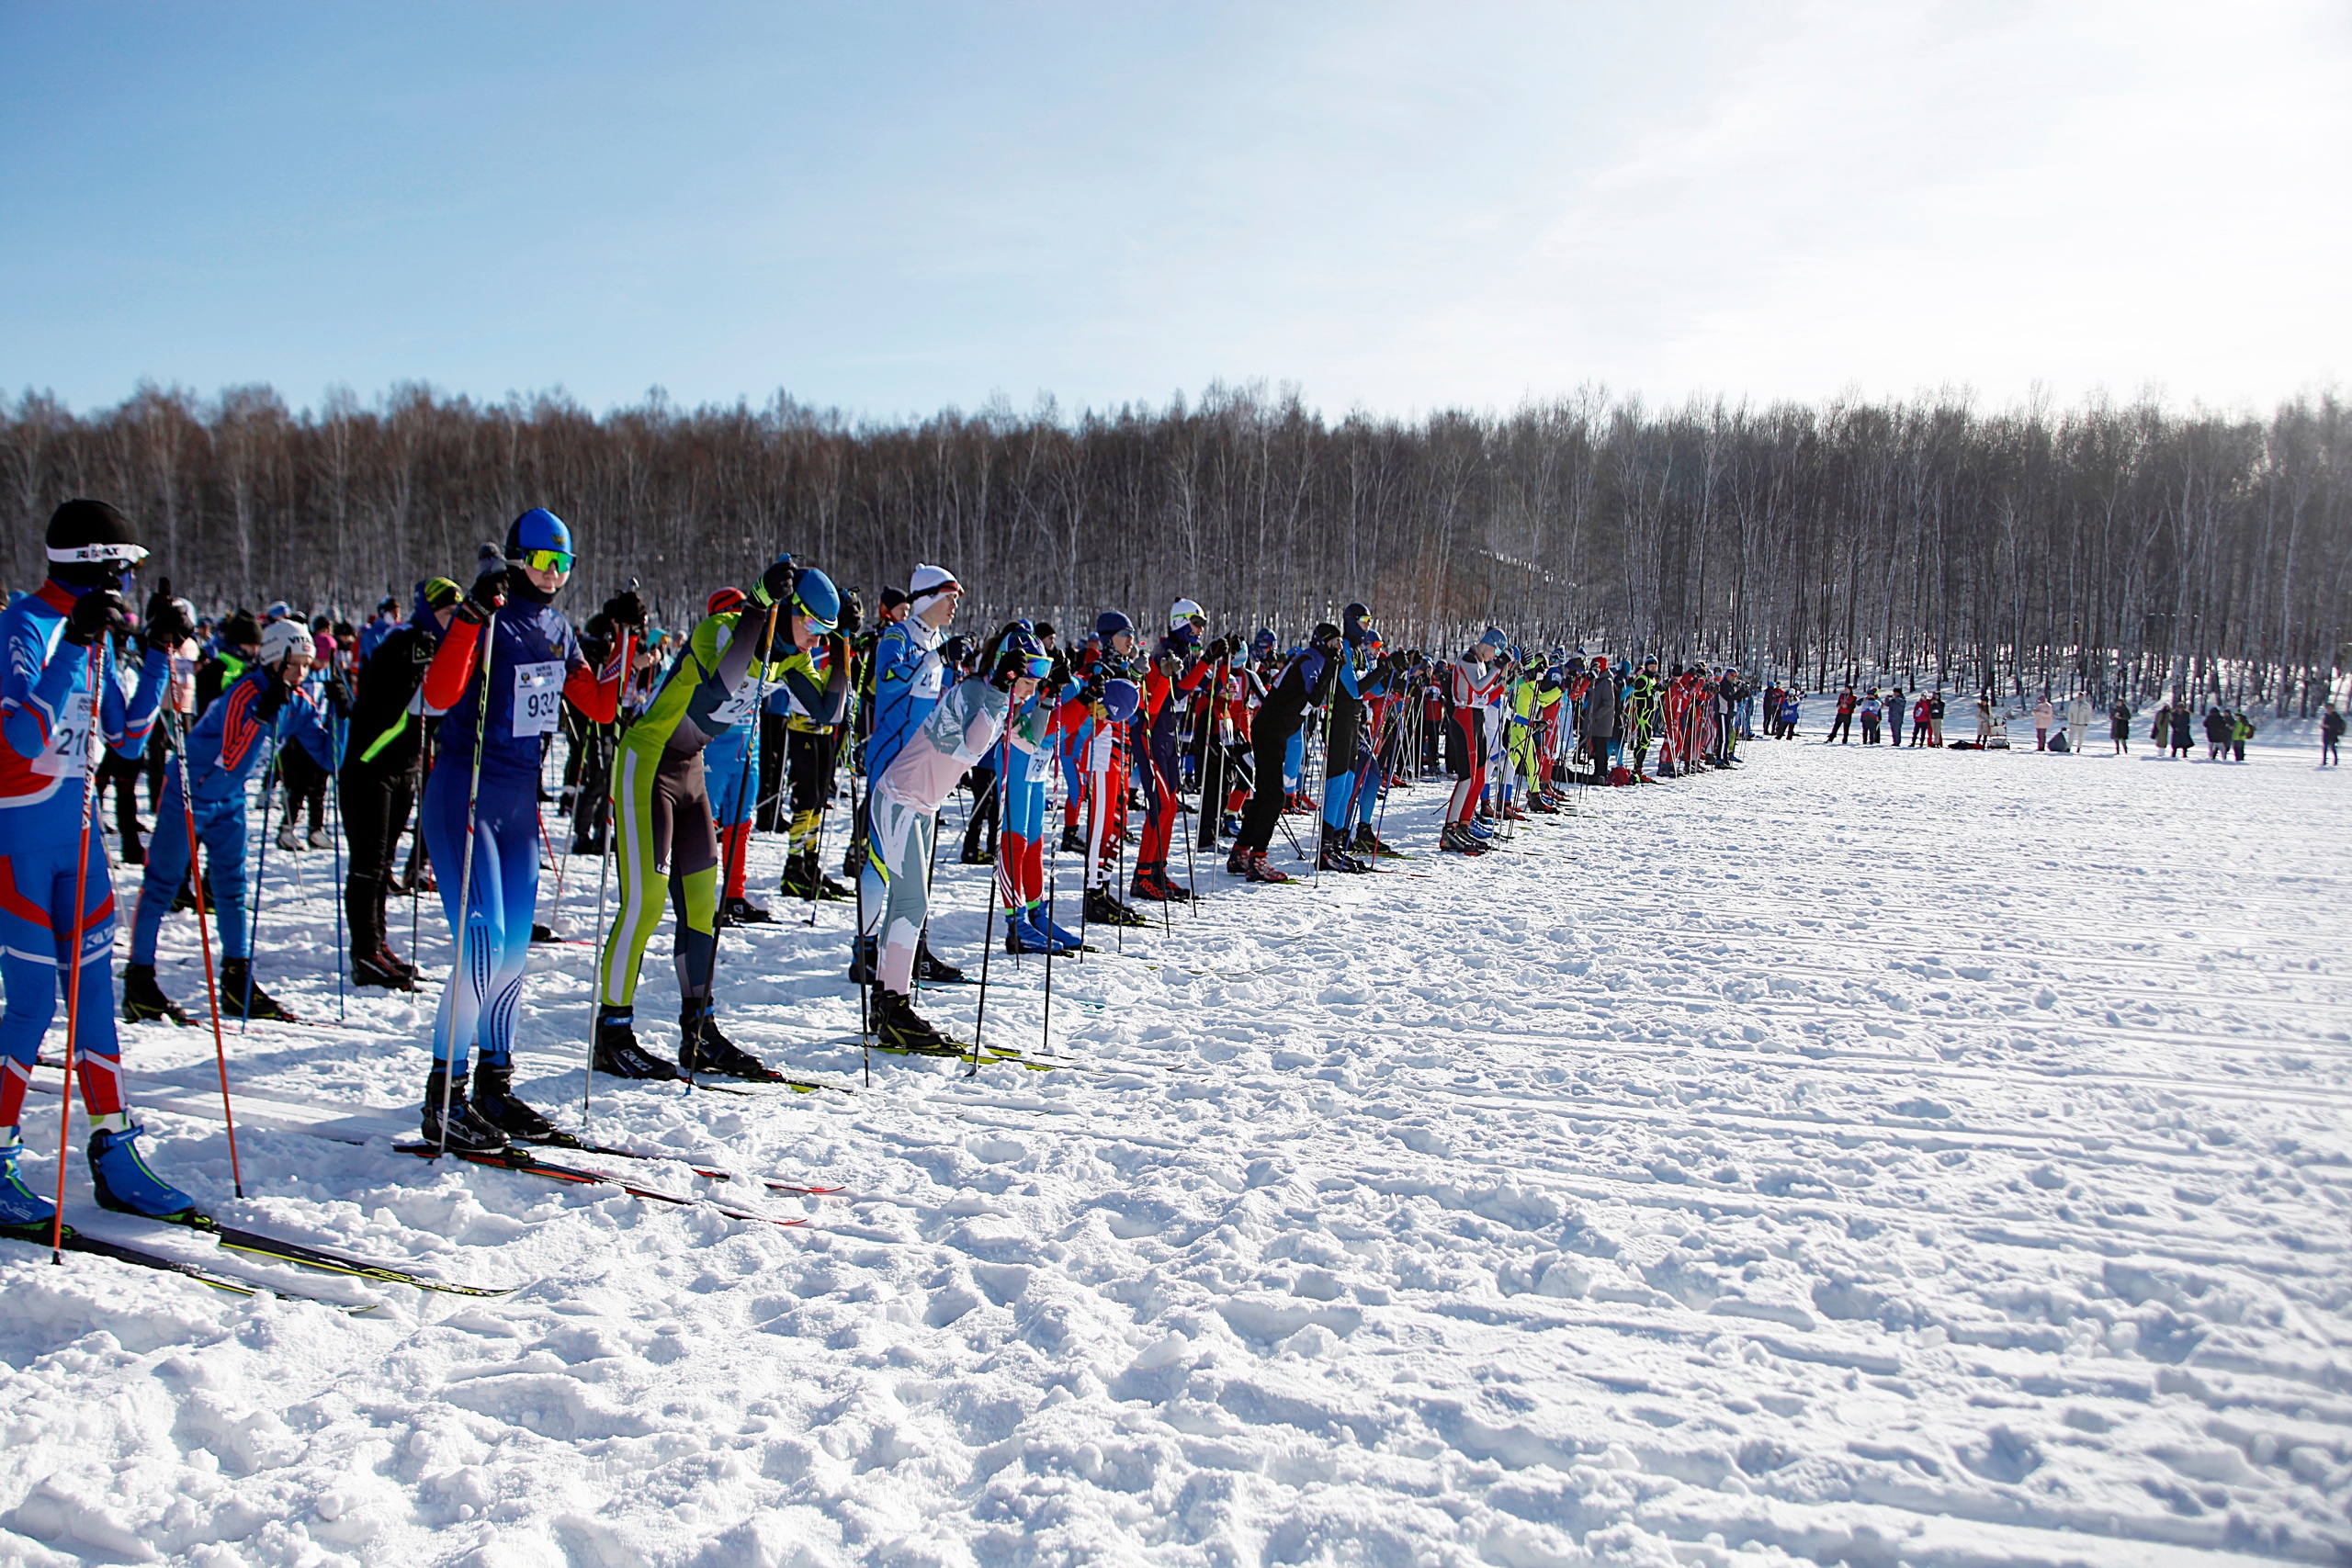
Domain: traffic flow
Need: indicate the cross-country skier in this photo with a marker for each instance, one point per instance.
(505, 663)
(57, 653)
(225, 751)
(902, 814)
(1178, 666)
(1470, 686)
(379, 772)
(1361, 674)
(1305, 684)
(665, 822)
(909, 675)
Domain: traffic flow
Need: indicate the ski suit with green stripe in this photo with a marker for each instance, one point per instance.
(666, 837)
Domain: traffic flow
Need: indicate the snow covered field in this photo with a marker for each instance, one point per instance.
(1870, 1157)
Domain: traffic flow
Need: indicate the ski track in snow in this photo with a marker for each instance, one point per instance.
(1923, 1157)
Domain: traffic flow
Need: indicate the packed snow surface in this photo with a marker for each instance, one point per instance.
(1866, 1156)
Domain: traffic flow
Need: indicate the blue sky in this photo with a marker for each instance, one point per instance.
(891, 209)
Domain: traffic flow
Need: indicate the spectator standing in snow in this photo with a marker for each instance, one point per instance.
(2331, 730)
(1936, 719)
(1792, 709)
(1869, 715)
(1893, 707)
(2044, 716)
(2217, 734)
(2118, 728)
(1841, 728)
(1983, 718)
(2241, 731)
(2078, 723)
(1919, 721)
(2180, 729)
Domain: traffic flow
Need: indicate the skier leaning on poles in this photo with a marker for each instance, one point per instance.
(665, 826)
(1305, 684)
(1179, 667)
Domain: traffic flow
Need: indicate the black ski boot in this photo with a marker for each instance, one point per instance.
(743, 912)
(899, 1028)
(467, 1132)
(142, 1000)
(1333, 856)
(618, 1051)
(1073, 841)
(1103, 908)
(804, 881)
(373, 971)
(933, 970)
(494, 1101)
(703, 1049)
(1369, 844)
(241, 997)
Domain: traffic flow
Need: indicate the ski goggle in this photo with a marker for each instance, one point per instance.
(816, 622)
(548, 561)
(129, 555)
(1037, 666)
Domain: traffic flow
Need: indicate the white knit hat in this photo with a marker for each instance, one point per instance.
(929, 580)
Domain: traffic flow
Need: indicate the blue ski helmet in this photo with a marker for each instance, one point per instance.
(1264, 642)
(1110, 624)
(537, 530)
(1120, 698)
(814, 595)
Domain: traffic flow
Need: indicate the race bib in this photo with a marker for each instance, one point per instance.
(740, 706)
(72, 744)
(538, 697)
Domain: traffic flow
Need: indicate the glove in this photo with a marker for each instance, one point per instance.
(167, 624)
(338, 696)
(484, 599)
(853, 613)
(627, 608)
(774, 585)
(94, 615)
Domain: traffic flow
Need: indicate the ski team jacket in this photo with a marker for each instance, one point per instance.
(713, 688)
(45, 701)
(224, 750)
(908, 680)
(953, 738)
(535, 665)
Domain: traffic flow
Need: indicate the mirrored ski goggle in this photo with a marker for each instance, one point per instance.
(816, 622)
(1037, 666)
(548, 561)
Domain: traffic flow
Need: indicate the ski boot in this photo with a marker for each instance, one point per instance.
(142, 1000)
(287, 840)
(588, 844)
(1368, 843)
(1237, 861)
(977, 854)
(124, 1180)
(464, 1131)
(21, 1208)
(802, 880)
(1073, 840)
(1458, 837)
(900, 1028)
(1261, 869)
(1229, 826)
(933, 970)
(493, 1102)
(703, 1049)
(388, 959)
(372, 970)
(1333, 856)
(542, 933)
(861, 961)
(320, 839)
(1065, 941)
(618, 1053)
(1104, 909)
(1028, 931)
(241, 997)
(743, 912)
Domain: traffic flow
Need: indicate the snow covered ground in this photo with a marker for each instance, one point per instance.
(1870, 1157)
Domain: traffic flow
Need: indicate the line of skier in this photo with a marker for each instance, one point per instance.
(440, 724)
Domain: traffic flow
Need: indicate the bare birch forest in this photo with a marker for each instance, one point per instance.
(2120, 549)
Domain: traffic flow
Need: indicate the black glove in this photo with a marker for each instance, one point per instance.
(853, 613)
(338, 696)
(94, 614)
(774, 585)
(484, 599)
(627, 608)
(167, 624)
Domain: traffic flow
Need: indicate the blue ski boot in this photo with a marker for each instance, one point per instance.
(127, 1184)
(1066, 939)
(20, 1205)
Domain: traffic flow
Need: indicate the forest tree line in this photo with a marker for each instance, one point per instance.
(2123, 549)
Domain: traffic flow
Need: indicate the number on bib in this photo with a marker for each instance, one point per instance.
(739, 706)
(538, 697)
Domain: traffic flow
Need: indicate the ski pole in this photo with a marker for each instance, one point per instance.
(603, 871)
(860, 844)
(261, 869)
(341, 944)
(204, 937)
(486, 646)
(988, 927)
(73, 981)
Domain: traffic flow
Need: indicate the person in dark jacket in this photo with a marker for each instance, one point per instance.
(2331, 730)
(1600, 719)
(2118, 727)
(2217, 734)
(2180, 729)
(380, 769)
